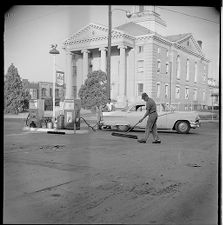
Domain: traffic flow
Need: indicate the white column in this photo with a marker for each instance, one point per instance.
(103, 58)
(85, 64)
(131, 79)
(69, 76)
(122, 77)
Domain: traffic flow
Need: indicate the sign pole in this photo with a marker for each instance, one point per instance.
(54, 76)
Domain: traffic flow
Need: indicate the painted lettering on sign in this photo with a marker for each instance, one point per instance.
(59, 78)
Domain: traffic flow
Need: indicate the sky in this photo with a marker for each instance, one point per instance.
(31, 29)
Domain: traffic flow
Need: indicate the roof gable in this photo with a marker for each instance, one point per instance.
(186, 41)
(92, 31)
(190, 43)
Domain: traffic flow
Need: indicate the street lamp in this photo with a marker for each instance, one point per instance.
(128, 14)
(54, 52)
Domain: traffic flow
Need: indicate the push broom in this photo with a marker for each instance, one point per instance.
(126, 133)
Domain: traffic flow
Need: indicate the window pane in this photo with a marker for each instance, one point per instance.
(158, 90)
(158, 66)
(166, 91)
(140, 89)
(140, 49)
(178, 66)
(177, 92)
(140, 65)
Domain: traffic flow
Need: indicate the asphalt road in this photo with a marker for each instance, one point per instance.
(98, 178)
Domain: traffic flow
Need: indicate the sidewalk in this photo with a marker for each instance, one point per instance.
(56, 131)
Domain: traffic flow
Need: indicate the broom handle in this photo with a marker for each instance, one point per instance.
(132, 127)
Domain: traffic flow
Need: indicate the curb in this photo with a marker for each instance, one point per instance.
(209, 121)
(54, 131)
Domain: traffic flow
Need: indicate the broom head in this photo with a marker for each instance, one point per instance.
(124, 135)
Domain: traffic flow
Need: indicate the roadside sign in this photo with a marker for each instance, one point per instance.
(59, 78)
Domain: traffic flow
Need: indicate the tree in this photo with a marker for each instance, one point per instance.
(15, 95)
(93, 93)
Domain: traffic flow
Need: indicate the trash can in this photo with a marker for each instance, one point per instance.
(49, 125)
(60, 122)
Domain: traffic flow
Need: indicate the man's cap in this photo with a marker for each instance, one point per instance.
(144, 95)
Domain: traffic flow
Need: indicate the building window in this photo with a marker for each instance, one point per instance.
(158, 50)
(186, 93)
(140, 49)
(177, 92)
(204, 96)
(57, 92)
(178, 67)
(166, 90)
(187, 70)
(204, 74)
(33, 93)
(158, 66)
(141, 8)
(140, 89)
(167, 68)
(195, 73)
(43, 92)
(51, 92)
(158, 90)
(167, 53)
(195, 95)
(140, 66)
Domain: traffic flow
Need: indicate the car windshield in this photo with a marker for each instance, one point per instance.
(134, 108)
(125, 109)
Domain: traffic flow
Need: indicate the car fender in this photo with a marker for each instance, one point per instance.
(115, 123)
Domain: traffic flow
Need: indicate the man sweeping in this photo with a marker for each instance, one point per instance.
(151, 122)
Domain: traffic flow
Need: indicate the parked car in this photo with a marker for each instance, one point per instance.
(168, 119)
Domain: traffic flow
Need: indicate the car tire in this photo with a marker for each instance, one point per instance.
(182, 127)
(123, 128)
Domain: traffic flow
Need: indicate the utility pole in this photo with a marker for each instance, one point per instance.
(170, 82)
(109, 51)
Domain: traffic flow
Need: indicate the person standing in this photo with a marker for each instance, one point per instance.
(152, 119)
(109, 105)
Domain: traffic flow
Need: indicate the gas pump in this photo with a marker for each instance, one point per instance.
(72, 114)
(69, 114)
(36, 112)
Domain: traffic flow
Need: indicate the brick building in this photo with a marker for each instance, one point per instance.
(44, 90)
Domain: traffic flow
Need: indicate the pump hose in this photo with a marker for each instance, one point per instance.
(92, 127)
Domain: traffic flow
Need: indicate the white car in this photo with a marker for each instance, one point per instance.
(180, 121)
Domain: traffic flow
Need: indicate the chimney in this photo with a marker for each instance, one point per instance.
(200, 43)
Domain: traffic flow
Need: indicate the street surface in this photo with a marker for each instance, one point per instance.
(95, 177)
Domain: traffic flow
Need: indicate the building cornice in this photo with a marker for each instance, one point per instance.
(144, 37)
(201, 56)
(161, 39)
